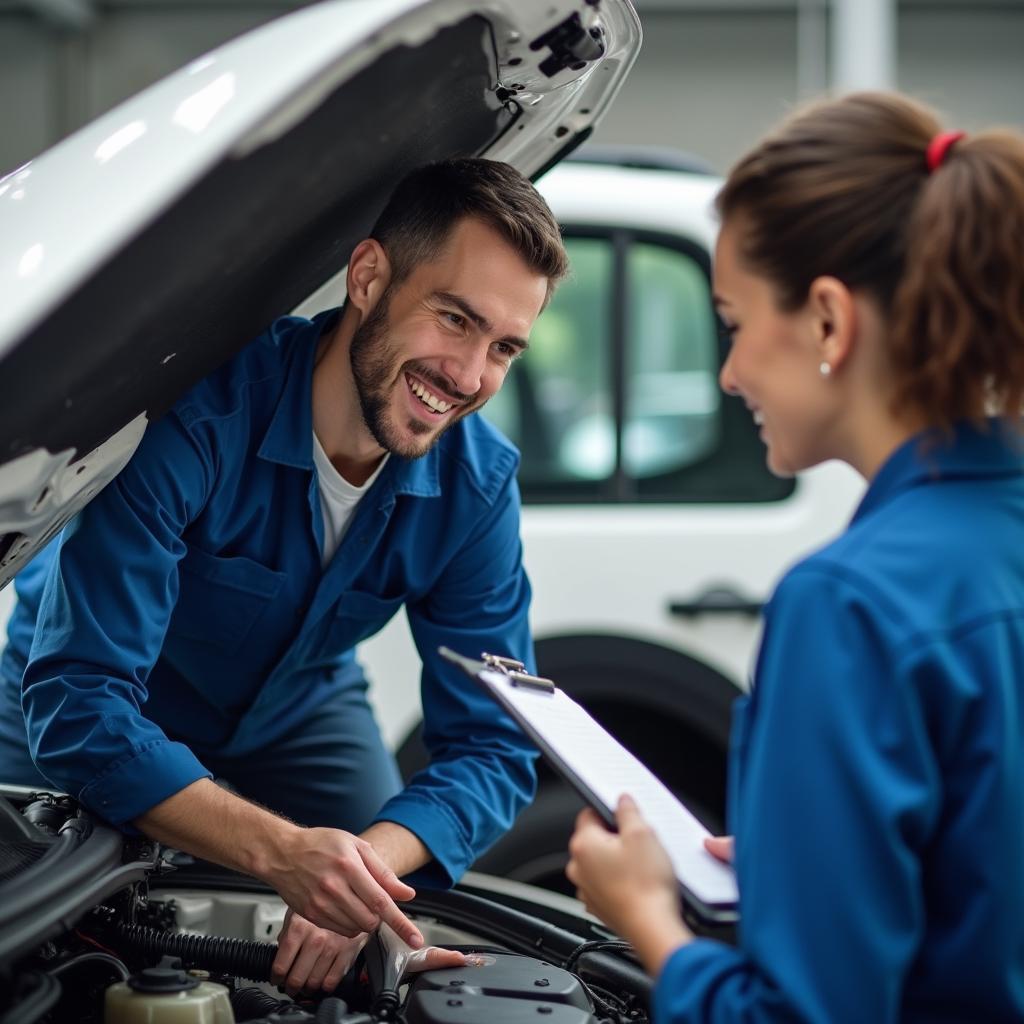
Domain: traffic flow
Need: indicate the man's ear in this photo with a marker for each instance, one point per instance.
(368, 276)
(833, 314)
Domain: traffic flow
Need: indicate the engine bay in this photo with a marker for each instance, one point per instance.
(149, 935)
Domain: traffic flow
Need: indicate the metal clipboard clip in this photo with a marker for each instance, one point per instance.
(516, 672)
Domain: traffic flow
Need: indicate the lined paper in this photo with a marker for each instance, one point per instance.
(609, 770)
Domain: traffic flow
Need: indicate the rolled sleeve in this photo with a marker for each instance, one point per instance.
(164, 768)
(438, 829)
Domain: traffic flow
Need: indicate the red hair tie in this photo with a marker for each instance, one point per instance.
(939, 147)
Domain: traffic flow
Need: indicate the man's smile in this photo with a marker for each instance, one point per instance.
(430, 399)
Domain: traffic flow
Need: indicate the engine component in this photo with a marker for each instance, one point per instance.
(49, 813)
(510, 990)
(167, 995)
(386, 957)
(21, 843)
(330, 1010)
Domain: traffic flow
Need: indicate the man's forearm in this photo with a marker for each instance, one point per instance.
(330, 877)
(208, 821)
(403, 851)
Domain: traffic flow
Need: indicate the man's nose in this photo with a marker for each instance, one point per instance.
(465, 367)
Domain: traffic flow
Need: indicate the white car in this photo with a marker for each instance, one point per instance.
(653, 531)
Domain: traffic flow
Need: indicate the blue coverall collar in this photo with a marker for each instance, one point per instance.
(967, 450)
(289, 438)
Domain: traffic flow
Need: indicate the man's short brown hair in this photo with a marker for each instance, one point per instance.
(428, 203)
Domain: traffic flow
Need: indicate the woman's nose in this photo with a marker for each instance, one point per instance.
(726, 379)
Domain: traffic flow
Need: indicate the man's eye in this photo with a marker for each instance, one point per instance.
(457, 319)
(507, 350)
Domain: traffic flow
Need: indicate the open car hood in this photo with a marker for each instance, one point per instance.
(147, 248)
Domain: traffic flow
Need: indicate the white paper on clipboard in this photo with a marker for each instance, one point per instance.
(608, 770)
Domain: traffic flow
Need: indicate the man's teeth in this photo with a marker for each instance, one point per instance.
(758, 417)
(435, 403)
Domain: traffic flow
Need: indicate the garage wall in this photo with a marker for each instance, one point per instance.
(29, 85)
(64, 74)
(707, 83)
(712, 75)
(712, 80)
(968, 62)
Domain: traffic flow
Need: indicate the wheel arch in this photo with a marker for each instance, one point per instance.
(625, 670)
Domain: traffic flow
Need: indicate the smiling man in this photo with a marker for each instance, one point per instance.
(198, 619)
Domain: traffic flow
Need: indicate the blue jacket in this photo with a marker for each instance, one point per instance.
(185, 610)
(877, 772)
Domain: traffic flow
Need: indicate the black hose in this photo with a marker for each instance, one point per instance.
(21, 892)
(253, 1003)
(43, 994)
(244, 959)
(332, 1011)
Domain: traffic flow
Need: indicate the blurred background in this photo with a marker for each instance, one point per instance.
(712, 75)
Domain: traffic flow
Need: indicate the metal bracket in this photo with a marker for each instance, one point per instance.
(571, 45)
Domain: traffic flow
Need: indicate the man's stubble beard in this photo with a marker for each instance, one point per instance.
(375, 376)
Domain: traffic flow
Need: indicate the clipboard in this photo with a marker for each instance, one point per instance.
(599, 768)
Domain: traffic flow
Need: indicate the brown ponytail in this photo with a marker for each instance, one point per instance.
(843, 188)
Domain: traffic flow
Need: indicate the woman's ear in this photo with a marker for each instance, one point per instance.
(368, 276)
(833, 314)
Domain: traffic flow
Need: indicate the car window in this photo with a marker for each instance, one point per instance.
(672, 414)
(618, 398)
(556, 403)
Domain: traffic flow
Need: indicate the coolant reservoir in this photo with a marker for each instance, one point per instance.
(167, 995)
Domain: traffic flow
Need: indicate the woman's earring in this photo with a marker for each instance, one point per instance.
(825, 369)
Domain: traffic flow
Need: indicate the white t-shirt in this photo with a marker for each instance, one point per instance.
(338, 499)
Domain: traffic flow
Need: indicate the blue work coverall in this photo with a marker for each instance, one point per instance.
(877, 769)
(181, 625)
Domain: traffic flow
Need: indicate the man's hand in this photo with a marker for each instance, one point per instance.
(310, 958)
(337, 881)
(628, 881)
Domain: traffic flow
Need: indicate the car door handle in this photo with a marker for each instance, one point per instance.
(716, 601)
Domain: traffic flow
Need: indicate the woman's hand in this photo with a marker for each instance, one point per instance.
(627, 880)
(722, 847)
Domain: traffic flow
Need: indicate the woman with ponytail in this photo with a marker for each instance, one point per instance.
(870, 269)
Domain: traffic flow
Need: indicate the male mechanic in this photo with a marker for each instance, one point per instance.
(198, 618)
